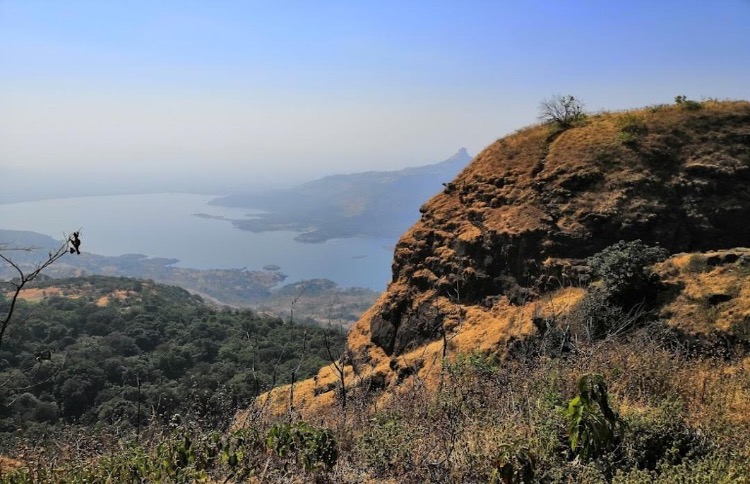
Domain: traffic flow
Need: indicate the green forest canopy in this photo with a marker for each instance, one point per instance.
(78, 354)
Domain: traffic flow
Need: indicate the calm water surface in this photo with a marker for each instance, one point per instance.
(165, 225)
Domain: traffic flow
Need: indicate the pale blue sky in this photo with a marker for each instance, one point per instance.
(273, 90)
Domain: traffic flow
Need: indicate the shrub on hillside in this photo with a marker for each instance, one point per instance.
(661, 437)
(617, 300)
(621, 270)
(687, 104)
(311, 447)
(598, 317)
(631, 129)
(562, 111)
(593, 426)
(387, 445)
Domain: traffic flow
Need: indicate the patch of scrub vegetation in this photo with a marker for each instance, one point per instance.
(489, 419)
(631, 128)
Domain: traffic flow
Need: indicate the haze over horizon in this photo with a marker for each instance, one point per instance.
(224, 95)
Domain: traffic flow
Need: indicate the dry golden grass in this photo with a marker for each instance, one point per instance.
(482, 330)
(694, 308)
(514, 220)
(637, 378)
(8, 464)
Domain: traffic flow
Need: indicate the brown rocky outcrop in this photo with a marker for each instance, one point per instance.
(531, 205)
(503, 248)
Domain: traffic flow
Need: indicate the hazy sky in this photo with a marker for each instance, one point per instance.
(264, 91)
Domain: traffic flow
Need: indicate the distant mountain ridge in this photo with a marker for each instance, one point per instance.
(374, 203)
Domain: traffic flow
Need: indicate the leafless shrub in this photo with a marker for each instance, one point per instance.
(564, 111)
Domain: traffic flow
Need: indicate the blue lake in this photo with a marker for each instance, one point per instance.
(165, 225)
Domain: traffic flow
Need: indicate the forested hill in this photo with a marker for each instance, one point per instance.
(76, 349)
(376, 203)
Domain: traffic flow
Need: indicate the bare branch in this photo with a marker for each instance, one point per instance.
(296, 370)
(339, 366)
(303, 288)
(71, 244)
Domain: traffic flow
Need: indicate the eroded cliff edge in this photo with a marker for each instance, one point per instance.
(519, 220)
(505, 244)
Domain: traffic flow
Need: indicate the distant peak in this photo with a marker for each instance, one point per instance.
(462, 153)
(461, 156)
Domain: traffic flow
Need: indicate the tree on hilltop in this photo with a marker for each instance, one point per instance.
(564, 111)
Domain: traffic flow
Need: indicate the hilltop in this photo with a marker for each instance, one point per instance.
(519, 222)
(519, 261)
(533, 205)
(370, 204)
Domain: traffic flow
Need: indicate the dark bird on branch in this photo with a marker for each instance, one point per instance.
(76, 243)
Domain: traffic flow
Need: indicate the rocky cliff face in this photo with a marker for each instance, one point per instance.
(529, 207)
(504, 246)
